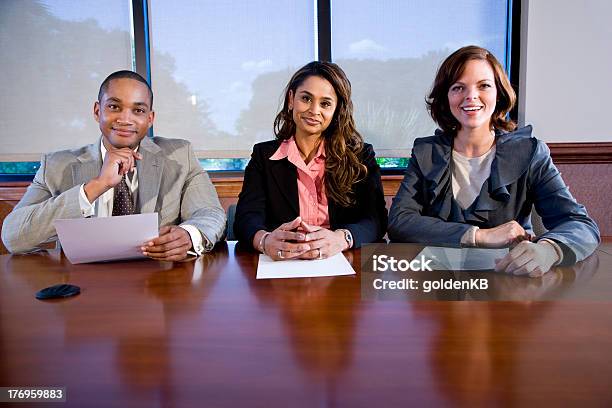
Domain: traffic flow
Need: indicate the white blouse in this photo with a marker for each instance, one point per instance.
(469, 174)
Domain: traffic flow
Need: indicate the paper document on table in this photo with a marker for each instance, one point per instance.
(462, 259)
(333, 266)
(106, 238)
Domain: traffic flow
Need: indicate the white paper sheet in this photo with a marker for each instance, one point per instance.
(462, 259)
(336, 265)
(106, 238)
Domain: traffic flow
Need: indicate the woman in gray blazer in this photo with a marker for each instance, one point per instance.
(475, 181)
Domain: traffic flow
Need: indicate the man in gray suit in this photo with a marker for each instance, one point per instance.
(123, 173)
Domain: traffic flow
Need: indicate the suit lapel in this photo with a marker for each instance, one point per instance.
(285, 175)
(437, 173)
(149, 175)
(512, 159)
(88, 164)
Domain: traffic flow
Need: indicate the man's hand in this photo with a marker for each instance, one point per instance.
(501, 236)
(116, 163)
(172, 244)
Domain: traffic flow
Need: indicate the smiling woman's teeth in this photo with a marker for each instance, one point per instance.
(472, 109)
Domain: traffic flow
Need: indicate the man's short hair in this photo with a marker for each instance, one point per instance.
(124, 74)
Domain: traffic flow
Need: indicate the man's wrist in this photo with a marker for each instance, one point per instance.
(94, 188)
(196, 238)
(87, 208)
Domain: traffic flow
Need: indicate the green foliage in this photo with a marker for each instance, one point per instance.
(392, 162)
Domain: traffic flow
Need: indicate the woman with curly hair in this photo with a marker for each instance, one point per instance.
(476, 181)
(315, 190)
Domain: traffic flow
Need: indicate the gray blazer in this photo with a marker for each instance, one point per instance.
(522, 175)
(171, 182)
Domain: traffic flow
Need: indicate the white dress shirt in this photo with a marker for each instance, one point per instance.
(103, 206)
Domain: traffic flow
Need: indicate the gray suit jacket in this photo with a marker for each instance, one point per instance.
(522, 176)
(171, 182)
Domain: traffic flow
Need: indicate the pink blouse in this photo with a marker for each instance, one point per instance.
(310, 182)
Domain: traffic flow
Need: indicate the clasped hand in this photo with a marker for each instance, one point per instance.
(299, 240)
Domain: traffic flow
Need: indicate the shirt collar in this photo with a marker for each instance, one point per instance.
(288, 149)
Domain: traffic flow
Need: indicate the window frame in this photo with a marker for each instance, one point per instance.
(141, 60)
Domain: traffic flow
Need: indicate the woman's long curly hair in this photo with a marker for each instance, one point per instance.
(343, 144)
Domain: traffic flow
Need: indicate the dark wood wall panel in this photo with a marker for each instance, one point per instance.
(581, 153)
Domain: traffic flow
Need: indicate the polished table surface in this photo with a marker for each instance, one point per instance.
(207, 333)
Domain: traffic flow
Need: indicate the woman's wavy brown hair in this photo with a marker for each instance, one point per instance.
(343, 144)
(449, 72)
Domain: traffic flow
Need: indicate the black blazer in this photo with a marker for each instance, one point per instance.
(269, 198)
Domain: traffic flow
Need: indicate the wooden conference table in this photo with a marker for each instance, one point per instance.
(207, 333)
